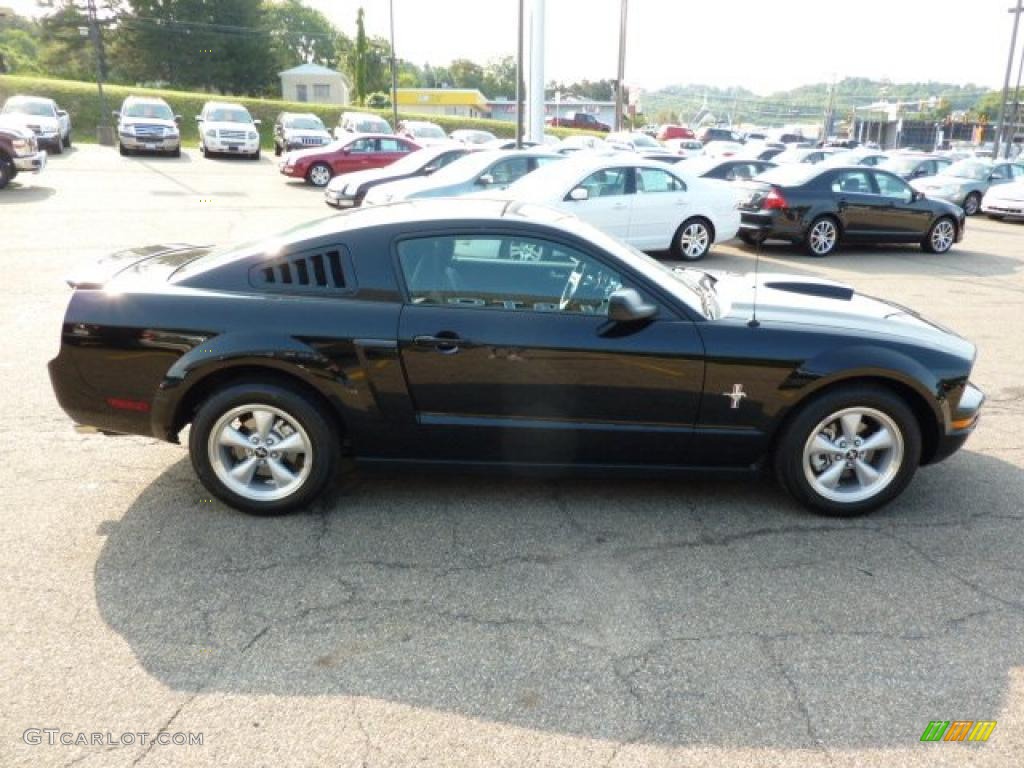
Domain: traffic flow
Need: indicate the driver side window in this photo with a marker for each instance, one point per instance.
(517, 274)
(609, 182)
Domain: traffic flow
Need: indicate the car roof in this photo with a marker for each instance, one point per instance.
(224, 104)
(21, 97)
(145, 99)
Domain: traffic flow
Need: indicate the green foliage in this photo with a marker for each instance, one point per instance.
(358, 63)
(378, 100)
(302, 35)
(82, 102)
(19, 51)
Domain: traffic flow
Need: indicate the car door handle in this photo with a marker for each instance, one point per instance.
(843, 204)
(445, 342)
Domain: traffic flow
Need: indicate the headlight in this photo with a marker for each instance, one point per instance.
(22, 146)
(253, 135)
(128, 130)
(170, 132)
(211, 134)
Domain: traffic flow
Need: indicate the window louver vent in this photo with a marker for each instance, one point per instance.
(308, 271)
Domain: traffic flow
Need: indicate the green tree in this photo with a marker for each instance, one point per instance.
(63, 52)
(466, 74)
(301, 35)
(357, 65)
(500, 78)
(19, 51)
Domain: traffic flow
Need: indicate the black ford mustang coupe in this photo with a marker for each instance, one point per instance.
(478, 332)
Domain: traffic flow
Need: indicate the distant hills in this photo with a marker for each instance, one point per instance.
(806, 103)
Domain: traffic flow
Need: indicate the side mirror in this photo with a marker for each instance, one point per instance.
(199, 118)
(346, 150)
(116, 115)
(627, 306)
(916, 195)
(62, 112)
(257, 122)
(579, 194)
(486, 180)
(177, 119)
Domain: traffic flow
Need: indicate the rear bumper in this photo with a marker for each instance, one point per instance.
(962, 423)
(776, 224)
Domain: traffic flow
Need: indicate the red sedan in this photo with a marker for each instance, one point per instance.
(359, 152)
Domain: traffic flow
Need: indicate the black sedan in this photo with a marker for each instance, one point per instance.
(349, 189)
(429, 333)
(820, 206)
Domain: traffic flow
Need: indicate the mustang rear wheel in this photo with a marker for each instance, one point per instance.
(940, 237)
(850, 451)
(822, 236)
(263, 448)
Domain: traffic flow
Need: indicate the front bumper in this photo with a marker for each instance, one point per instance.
(1008, 208)
(962, 423)
(232, 146)
(295, 171)
(338, 199)
(31, 163)
(166, 144)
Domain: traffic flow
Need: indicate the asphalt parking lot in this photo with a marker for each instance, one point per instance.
(482, 621)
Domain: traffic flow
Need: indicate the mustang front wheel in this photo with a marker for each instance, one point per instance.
(263, 448)
(849, 451)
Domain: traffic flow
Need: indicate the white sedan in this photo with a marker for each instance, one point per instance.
(645, 203)
(1004, 201)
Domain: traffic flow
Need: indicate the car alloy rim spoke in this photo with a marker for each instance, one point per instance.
(695, 240)
(853, 455)
(281, 474)
(292, 444)
(232, 438)
(264, 421)
(243, 471)
(822, 237)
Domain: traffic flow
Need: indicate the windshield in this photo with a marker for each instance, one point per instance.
(416, 160)
(643, 140)
(969, 169)
(39, 108)
(228, 115)
(305, 124)
(425, 131)
(152, 111)
(474, 137)
(901, 164)
(372, 126)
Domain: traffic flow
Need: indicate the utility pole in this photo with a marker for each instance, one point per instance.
(520, 86)
(1000, 125)
(104, 133)
(619, 87)
(394, 68)
(1016, 106)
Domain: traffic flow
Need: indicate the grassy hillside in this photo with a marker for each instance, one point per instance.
(81, 100)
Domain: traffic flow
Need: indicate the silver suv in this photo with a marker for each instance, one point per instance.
(148, 125)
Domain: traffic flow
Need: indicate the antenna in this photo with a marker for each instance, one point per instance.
(754, 323)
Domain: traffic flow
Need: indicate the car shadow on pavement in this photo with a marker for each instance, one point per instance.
(693, 612)
(17, 193)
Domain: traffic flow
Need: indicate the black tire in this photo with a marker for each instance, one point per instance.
(299, 408)
(817, 241)
(277, 149)
(255, 155)
(972, 204)
(176, 152)
(699, 234)
(789, 459)
(310, 174)
(7, 170)
(67, 141)
(58, 147)
(936, 241)
(122, 150)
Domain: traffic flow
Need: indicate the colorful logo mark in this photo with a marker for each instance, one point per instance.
(958, 730)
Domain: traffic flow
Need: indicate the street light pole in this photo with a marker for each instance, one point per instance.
(1000, 125)
(394, 67)
(1016, 106)
(619, 88)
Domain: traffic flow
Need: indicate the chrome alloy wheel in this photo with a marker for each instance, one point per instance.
(853, 455)
(260, 452)
(943, 234)
(320, 175)
(823, 237)
(694, 241)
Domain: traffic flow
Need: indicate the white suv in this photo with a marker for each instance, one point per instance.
(147, 125)
(360, 122)
(228, 129)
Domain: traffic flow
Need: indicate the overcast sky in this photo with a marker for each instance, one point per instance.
(760, 44)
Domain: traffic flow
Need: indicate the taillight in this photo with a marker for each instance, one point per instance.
(774, 200)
